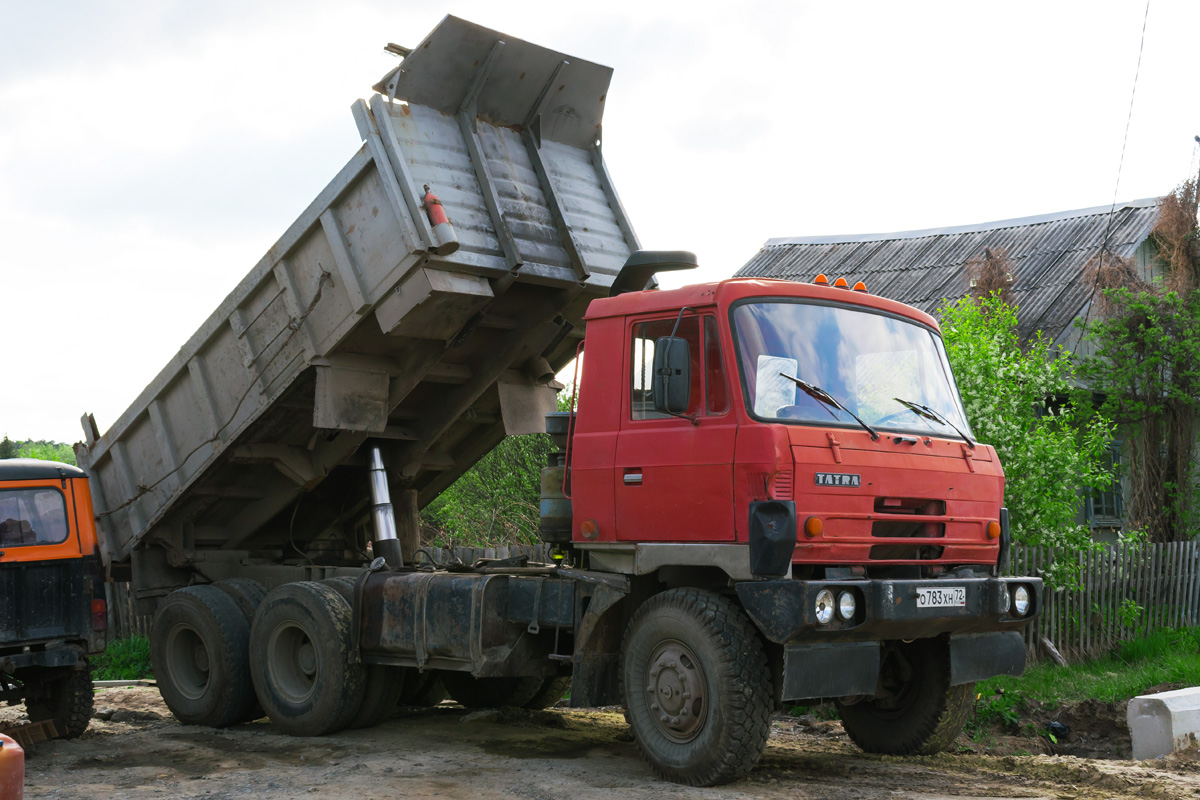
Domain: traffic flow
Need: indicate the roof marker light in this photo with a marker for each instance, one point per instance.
(860, 287)
(841, 283)
(821, 280)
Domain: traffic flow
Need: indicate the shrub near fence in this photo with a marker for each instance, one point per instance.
(1126, 590)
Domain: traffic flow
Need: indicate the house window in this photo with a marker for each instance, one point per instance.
(1105, 505)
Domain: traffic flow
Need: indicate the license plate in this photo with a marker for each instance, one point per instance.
(942, 596)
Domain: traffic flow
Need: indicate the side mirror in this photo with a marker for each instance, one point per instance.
(672, 387)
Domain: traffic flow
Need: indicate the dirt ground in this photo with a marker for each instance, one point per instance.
(140, 751)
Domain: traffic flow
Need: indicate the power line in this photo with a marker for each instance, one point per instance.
(1120, 165)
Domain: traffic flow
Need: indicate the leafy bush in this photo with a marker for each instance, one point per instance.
(123, 660)
(1049, 450)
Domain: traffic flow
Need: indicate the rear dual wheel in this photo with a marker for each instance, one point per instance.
(300, 647)
(199, 647)
(384, 684)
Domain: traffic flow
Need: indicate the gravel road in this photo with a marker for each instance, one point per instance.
(140, 752)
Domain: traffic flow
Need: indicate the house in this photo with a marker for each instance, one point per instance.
(1049, 253)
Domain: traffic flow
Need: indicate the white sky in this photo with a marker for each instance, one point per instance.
(151, 151)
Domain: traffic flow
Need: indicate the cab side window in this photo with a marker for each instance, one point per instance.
(710, 388)
(32, 516)
(644, 336)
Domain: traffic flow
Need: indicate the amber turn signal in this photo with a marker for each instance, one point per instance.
(821, 279)
(813, 527)
(993, 530)
(590, 529)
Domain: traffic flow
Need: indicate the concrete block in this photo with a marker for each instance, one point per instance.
(1160, 724)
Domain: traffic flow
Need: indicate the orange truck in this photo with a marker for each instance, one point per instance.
(53, 613)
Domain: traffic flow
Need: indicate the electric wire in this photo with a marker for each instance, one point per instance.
(1120, 166)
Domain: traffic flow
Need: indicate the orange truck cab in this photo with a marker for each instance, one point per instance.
(53, 613)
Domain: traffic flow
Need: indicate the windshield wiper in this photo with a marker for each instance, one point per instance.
(819, 394)
(929, 413)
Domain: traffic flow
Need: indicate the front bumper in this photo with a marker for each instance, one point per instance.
(842, 657)
(785, 610)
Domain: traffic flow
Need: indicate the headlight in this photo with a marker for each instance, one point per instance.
(1005, 599)
(1021, 601)
(847, 606)
(824, 606)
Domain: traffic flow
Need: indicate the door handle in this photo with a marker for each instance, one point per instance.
(633, 477)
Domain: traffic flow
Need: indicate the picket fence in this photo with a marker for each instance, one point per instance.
(1160, 581)
(1125, 591)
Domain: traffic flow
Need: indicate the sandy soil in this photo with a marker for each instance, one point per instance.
(141, 752)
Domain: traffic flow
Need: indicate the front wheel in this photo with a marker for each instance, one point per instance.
(918, 712)
(697, 687)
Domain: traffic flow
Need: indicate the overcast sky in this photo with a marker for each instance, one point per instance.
(151, 152)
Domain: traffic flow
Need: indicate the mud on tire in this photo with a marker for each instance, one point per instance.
(300, 660)
(697, 687)
(923, 715)
(199, 648)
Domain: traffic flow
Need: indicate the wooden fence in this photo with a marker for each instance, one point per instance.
(124, 621)
(1127, 590)
(1161, 583)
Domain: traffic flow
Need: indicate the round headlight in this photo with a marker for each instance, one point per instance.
(1021, 601)
(1005, 599)
(847, 606)
(824, 606)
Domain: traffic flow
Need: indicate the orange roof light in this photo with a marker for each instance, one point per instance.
(841, 283)
(821, 280)
(860, 287)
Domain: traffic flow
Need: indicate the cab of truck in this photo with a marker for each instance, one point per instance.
(53, 613)
(822, 405)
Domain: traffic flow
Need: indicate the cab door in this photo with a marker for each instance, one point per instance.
(674, 474)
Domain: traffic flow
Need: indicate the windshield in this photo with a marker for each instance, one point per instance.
(868, 362)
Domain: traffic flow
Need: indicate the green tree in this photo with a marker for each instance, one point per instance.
(8, 448)
(46, 451)
(1019, 399)
(1145, 365)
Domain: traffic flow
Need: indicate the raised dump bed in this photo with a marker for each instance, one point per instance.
(368, 320)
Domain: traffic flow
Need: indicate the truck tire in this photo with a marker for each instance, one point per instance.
(424, 690)
(66, 698)
(384, 684)
(697, 687)
(549, 692)
(300, 647)
(248, 594)
(924, 713)
(199, 646)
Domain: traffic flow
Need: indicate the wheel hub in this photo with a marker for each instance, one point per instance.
(675, 691)
(187, 661)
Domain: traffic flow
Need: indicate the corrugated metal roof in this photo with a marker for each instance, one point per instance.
(924, 267)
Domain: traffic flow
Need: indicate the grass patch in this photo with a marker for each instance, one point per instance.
(1166, 656)
(123, 660)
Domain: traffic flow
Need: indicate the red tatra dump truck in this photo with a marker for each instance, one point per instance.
(769, 492)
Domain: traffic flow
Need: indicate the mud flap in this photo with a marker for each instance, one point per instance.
(829, 670)
(978, 656)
